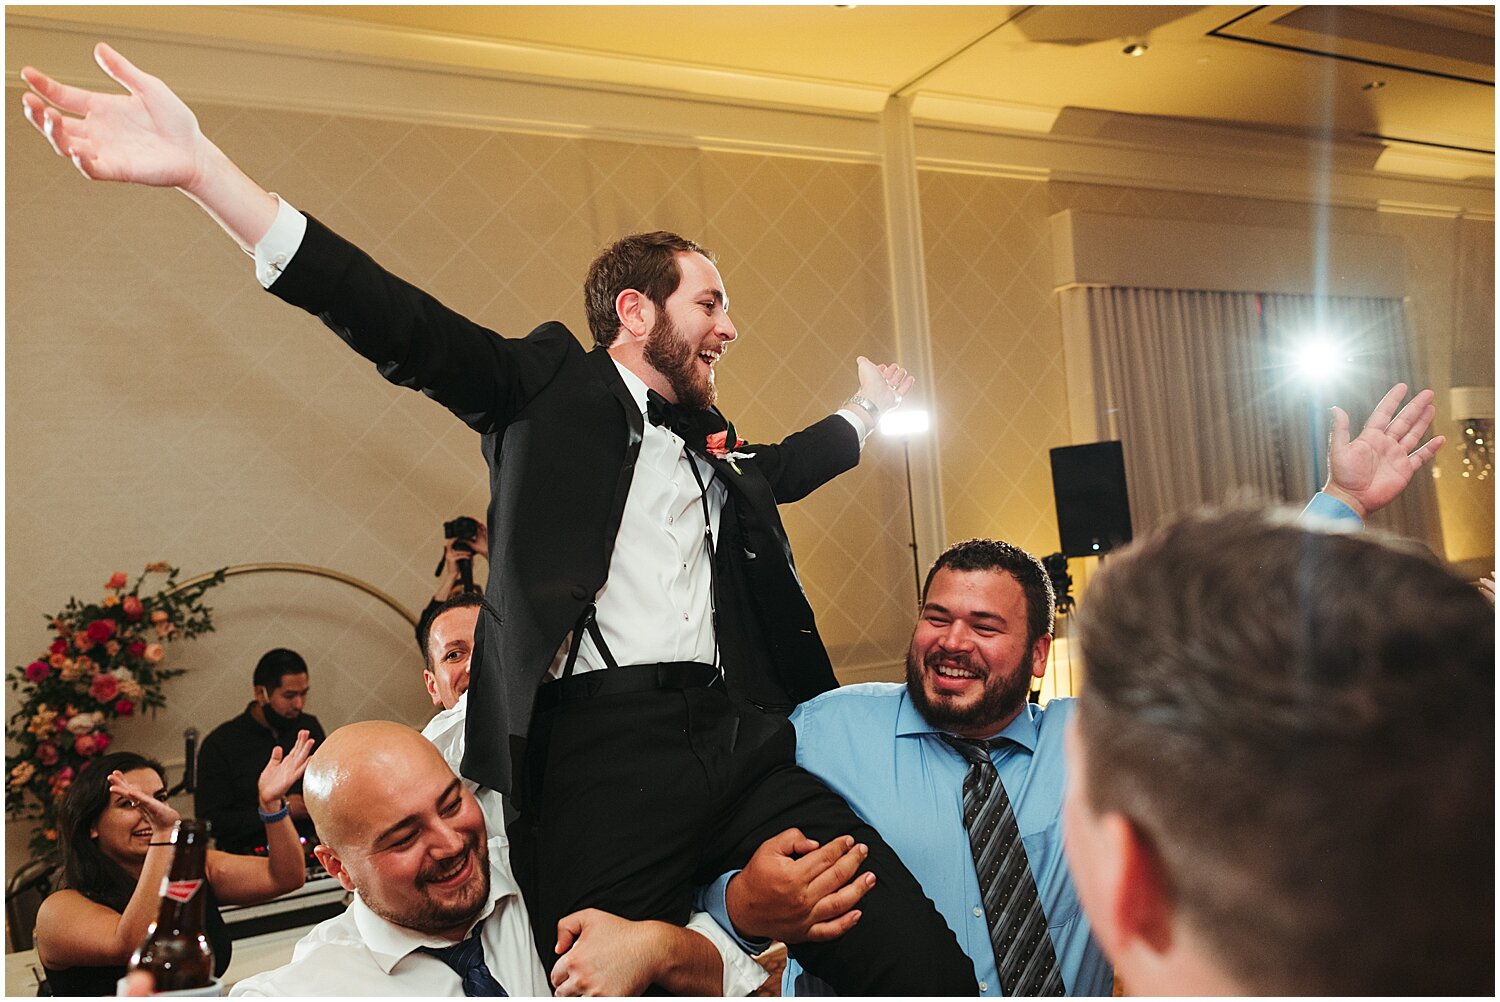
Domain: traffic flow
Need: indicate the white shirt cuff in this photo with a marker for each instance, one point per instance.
(280, 243)
(860, 427)
(741, 974)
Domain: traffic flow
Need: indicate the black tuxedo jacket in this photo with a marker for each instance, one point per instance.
(561, 434)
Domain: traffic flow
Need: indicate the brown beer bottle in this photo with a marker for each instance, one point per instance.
(176, 949)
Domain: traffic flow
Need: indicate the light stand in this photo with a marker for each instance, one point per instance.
(904, 424)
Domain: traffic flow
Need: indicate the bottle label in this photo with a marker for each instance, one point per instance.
(180, 891)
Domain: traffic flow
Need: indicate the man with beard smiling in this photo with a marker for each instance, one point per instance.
(964, 777)
(436, 910)
(650, 631)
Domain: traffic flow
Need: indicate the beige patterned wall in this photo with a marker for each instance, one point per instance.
(160, 405)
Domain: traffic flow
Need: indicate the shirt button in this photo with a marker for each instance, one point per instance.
(978, 912)
(984, 986)
(684, 617)
(669, 519)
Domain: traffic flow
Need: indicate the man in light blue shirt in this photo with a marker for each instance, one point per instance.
(983, 633)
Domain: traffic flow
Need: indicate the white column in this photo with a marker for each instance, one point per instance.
(903, 215)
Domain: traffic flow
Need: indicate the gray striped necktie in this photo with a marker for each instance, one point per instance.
(1018, 927)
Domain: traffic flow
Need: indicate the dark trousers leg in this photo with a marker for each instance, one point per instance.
(635, 799)
(901, 944)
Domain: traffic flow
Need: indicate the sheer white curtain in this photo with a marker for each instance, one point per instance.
(1200, 388)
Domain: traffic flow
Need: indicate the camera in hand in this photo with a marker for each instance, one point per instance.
(462, 530)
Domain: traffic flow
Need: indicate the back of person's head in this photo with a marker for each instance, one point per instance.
(995, 555)
(463, 600)
(645, 262)
(85, 868)
(276, 664)
(1300, 726)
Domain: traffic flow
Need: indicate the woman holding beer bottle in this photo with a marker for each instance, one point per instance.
(114, 828)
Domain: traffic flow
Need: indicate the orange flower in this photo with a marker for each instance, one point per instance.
(116, 581)
(154, 653)
(112, 648)
(159, 616)
(132, 607)
(110, 601)
(83, 641)
(158, 567)
(57, 660)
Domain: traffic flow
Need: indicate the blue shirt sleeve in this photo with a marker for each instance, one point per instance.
(1331, 509)
(711, 898)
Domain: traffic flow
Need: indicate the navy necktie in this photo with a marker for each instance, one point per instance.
(1018, 926)
(467, 960)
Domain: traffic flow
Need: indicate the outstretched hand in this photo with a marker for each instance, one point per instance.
(283, 770)
(1370, 471)
(883, 385)
(158, 813)
(147, 136)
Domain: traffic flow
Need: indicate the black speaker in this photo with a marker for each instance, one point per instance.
(1093, 509)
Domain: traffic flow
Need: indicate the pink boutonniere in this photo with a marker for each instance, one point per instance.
(717, 446)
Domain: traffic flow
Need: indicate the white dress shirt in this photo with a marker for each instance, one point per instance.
(445, 730)
(360, 953)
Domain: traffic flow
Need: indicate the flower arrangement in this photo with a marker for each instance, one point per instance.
(106, 661)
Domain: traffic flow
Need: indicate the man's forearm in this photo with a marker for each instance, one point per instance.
(243, 208)
(685, 963)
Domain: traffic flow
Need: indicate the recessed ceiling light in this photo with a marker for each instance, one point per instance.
(1373, 85)
(1135, 49)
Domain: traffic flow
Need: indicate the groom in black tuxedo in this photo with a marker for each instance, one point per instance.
(648, 631)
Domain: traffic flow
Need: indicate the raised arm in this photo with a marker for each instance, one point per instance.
(240, 880)
(1370, 471)
(146, 136)
(72, 931)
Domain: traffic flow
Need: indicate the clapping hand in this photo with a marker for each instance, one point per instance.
(147, 136)
(158, 813)
(1370, 471)
(282, 771)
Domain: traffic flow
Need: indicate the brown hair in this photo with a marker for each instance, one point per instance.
(645, 262)
(1301, 724)
(994, 555)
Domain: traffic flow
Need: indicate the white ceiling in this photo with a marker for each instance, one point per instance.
(1420, 74)
(1418, 79)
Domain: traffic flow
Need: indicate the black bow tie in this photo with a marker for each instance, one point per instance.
(691, 425)
(664, 414)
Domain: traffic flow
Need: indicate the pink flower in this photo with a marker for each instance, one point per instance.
(101, 740)
(132, 607)
(85, 744)
(116, 581)
(136, 648)
(104, 688)
(112, 648)
(59, 646)
(46, 753)
(124, 707)
(83, 641)
(38, 670)
(101, 630)
(154, 653)
(57, 660)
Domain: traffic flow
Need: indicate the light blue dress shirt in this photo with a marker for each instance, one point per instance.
(871, 746)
